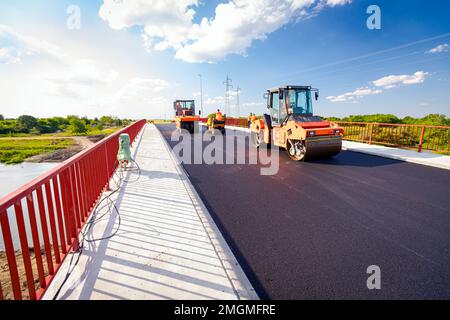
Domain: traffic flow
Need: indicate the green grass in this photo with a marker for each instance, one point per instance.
(15, 135)
(14, 151)
(66, 133)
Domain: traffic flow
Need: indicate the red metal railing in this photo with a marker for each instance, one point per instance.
(51, 210)
(233, 122)
(420, 137)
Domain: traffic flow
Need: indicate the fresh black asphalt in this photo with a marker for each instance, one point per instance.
(312, 230)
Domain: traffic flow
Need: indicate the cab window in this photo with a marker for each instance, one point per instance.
(274, 111)
(282, 108)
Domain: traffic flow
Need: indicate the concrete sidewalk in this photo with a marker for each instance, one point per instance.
(167, 246)
(424, 158)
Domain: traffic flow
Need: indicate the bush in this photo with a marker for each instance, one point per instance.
(78, 126)
(27, 122)
(430, 120)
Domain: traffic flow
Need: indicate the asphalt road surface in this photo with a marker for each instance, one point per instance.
(312, 230)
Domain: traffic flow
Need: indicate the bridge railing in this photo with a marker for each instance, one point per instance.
(234, 122)
(40, 221)
(408, 136)
(419, 137)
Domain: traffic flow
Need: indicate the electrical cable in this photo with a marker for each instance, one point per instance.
(111, 207)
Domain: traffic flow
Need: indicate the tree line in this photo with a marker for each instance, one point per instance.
(429, 120)
(26, 124)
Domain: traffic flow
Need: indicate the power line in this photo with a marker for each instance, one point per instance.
(228, 85)
(201, 93)
(238, 111)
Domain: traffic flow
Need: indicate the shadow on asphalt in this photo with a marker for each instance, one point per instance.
(353, 159)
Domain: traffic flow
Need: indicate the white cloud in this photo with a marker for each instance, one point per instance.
(333, 3)
(79, 79)
(138, 94)
(352, 96)
(220, 100)
(46, 80)
(440, 48)
(388, 82)
(143, 89)
(395, 80)
(166, 22)
(234, 27)
(16, 47)
(7, 56)
(252, 104)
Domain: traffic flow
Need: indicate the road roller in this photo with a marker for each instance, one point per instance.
(291, 125)
(213, 124)
(185, 117)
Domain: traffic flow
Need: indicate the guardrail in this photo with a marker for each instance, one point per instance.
(234, 122)
(51, 210)
(420, 137)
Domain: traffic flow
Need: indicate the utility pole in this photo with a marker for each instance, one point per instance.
(201, 94)
(238, 92)
(228, 85)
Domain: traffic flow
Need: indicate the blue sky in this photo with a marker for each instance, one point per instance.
(133, 58)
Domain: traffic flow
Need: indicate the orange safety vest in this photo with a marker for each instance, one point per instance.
(253, 118)
(219, 116)
(249, 118)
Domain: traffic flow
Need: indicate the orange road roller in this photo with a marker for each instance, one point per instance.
(291, 125)
(185, 117)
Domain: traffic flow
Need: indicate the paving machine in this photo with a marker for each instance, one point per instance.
(291, 125)
(185, 117)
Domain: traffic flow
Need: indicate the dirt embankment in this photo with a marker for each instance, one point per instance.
(5, 278)
(61, 155)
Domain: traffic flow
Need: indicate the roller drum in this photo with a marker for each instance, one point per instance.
(328, 146)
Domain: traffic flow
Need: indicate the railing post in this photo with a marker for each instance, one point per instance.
(10, 255)
(422, 136)
(108, 187)
(371, 133)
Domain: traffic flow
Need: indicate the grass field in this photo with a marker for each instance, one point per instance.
(13, 151)
(65, 133)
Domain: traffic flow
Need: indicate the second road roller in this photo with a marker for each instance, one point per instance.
(293, 126)
(185, 117)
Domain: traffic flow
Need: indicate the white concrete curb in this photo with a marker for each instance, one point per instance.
(425, 158)
(243, 288)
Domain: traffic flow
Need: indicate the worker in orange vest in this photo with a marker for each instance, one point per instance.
(253, 118)
(219, 116)
(249, 120)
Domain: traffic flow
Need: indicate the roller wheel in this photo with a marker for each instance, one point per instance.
(296, 150)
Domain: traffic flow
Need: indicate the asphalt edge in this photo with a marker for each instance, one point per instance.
(243, 288)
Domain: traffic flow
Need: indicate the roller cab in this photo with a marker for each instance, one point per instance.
(185, 117)
(291, 125)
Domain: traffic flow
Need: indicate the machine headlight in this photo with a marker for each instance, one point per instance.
(312, 133)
